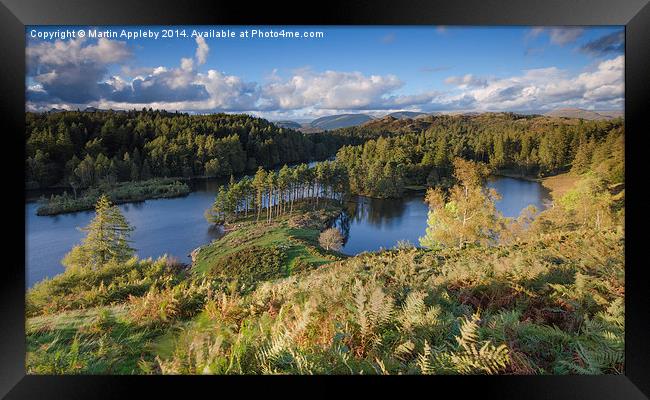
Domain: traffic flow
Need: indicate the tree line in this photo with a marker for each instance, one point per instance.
(525, 145)
(82, 149)
(465, 214)
(382, 158)
(272, 193)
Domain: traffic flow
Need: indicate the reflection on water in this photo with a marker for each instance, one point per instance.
(371, 224)
(172, 226)
(177, 226)
(517, 194)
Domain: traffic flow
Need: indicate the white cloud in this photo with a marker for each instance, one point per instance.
(72, 52)
(611, 43)
(534, 32)
(202, 50)
(466, 81)
(187, 64)
(117, 83)
(547, 88)
(228, 92)
(75, 73)
(562, 36)
(330, 90)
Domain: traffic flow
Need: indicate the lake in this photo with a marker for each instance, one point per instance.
(177, 226)
(174, 226)
(370, 224)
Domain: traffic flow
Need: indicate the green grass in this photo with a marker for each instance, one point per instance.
(101, 340)
(111, 284)
(70, 320)
(298, 240)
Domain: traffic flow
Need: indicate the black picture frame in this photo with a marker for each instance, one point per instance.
(633, 14)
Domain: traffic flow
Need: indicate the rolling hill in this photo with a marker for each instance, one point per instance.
(288, 124)
(407, 114)
(584, 114)
(339, 121)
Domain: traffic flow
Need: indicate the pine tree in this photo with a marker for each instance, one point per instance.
(107, 238)
(441, 155)
(146, 171)
(259, 183)
(216, 214)
(271, 179)
(284, 180)
(582, 160)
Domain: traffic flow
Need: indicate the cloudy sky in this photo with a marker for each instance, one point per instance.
(373, 70)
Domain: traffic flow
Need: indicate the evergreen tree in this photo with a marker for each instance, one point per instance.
(259, 183)
(284, 180)
(582, 159)
(85, 171)
(107, 238)
(146, 171)
(134, 172)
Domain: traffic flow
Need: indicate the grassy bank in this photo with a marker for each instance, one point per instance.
(558, 185)
(123, 192)
(537, 307)
(289, 243)
(121, 318)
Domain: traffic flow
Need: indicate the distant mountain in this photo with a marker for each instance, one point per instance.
(56, 110)
(339, 121)
(466, 113)
(288, 124)
(612, 113)
(407, 114)
(393, 124)
(584, 114)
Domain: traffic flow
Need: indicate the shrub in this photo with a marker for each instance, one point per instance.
(164, 306)
(331, 239)
(112, 283)
(250, 265)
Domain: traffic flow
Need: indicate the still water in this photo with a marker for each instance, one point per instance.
(177, 226)
(173, 226)
(372, 224)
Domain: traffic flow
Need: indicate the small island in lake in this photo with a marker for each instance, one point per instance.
(122, 192)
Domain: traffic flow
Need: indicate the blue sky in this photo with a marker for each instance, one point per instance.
(373, 70)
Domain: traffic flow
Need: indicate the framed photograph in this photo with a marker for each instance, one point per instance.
(434, 191)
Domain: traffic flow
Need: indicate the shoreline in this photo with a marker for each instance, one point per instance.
(116, 202)
(120, 193)
(558, 185)
(34, 195)
(529, 178)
